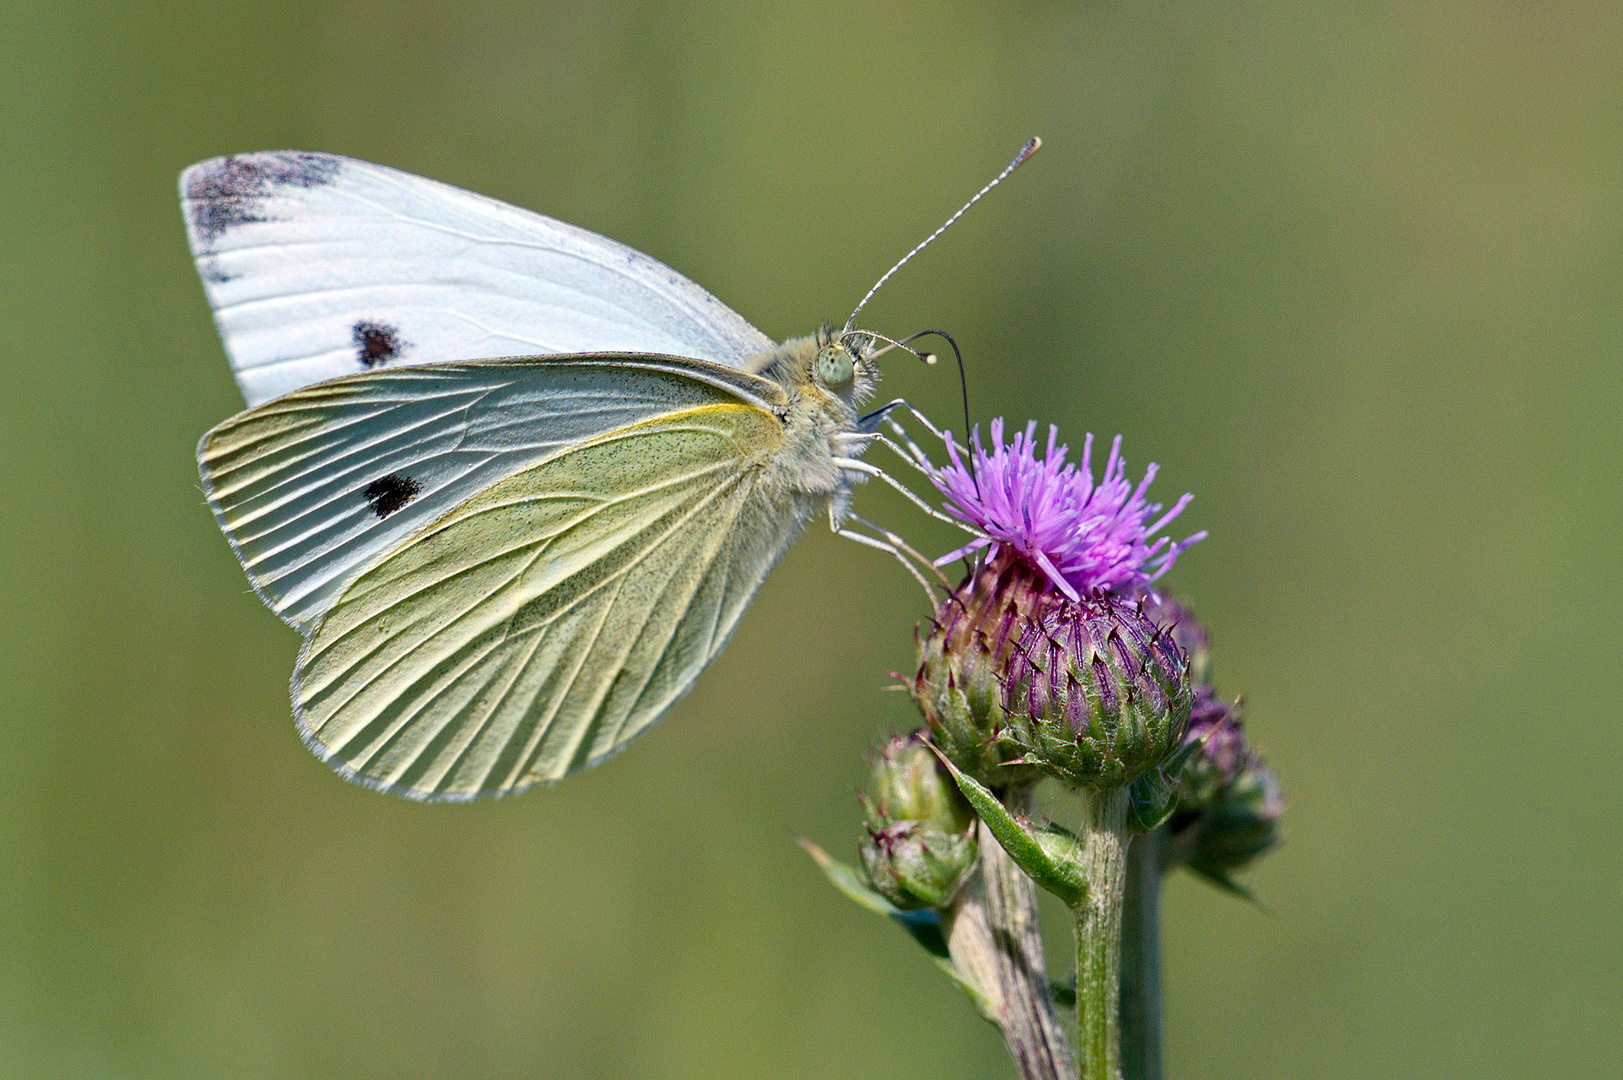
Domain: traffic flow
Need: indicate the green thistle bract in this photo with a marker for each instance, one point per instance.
(1097, 693)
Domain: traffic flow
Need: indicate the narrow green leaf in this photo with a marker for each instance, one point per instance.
(1153, 798)
(1180, 757)
(1221, 880)
(924, 925)
(1061, 877)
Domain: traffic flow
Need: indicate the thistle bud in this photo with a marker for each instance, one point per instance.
(921, 840)
(1217, 765)
(1175, 617)
(962, 655)
(910, 784)
(1229, 803)
(1097, 693)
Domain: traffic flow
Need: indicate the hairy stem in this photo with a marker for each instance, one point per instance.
(1098, 934)
(996, 944)
(1141, 958)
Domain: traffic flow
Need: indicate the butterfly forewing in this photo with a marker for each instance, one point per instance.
(539, 626)
(313, 488)
(514, 482)
(319, 266)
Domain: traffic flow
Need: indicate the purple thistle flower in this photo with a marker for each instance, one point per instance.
(1082, 536)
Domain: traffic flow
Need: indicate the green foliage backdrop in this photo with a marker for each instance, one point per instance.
(1352, 273)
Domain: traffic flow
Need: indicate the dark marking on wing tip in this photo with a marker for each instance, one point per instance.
(389, 494)
(229, 192)
(377, 343)
(211, 272)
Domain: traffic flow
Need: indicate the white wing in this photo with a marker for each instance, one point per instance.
(538, 627)
(319, 266)
(315, 487)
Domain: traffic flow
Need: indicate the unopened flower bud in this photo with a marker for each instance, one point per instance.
(920, 845)
(1097, 693)
(1216, 766)
(909, 783)
(1229, 803)
(916, 867)
(1242, 827)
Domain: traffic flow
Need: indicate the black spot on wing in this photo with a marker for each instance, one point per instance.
(377, 343)
(230, 191)
(211, 272)
(389, 494)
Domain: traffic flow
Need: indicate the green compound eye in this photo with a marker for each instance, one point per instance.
(834, 365)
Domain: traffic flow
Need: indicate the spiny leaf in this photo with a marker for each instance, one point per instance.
(1221, 880)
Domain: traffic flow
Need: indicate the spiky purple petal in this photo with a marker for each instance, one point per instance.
(1083, 536)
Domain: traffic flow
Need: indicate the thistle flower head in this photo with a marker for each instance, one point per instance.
(1084, 536)
(1175, 617)
(963, 652)
(1057, 550)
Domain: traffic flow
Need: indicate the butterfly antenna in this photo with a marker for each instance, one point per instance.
(1019, 159)
(928, 358)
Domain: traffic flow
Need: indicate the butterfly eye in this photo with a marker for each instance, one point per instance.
(835, 366)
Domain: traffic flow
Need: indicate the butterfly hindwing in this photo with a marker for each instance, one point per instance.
(315, 487)
(542, 624)
(319, 266)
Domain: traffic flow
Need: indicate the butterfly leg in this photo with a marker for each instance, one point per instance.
(875, 471)
(891, 543)
(902, 546)
(869, 424)
(914, 455)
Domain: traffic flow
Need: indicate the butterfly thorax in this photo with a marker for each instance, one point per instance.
(819, 415)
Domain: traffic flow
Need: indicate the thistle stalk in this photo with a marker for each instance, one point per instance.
(1141, 958)
(995, 942)
(1105, 838)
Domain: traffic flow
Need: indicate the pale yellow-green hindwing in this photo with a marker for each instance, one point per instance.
(506, 569)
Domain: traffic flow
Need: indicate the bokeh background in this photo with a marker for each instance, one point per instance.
(1353, 274)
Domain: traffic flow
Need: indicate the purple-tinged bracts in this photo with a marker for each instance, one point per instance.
(1096, 692)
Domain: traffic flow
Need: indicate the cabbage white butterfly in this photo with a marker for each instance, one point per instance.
(514, 482)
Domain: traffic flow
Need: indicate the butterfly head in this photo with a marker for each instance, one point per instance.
(845, 364)
(836, 365)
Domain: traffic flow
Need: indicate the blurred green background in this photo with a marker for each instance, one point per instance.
(1353, 274)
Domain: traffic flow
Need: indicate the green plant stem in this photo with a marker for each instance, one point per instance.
(1098, 933)
(996, 945)
(1141, 958)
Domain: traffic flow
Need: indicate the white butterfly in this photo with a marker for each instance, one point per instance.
(506, 562)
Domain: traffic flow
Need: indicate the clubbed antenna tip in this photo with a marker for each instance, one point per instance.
(1019, 159)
